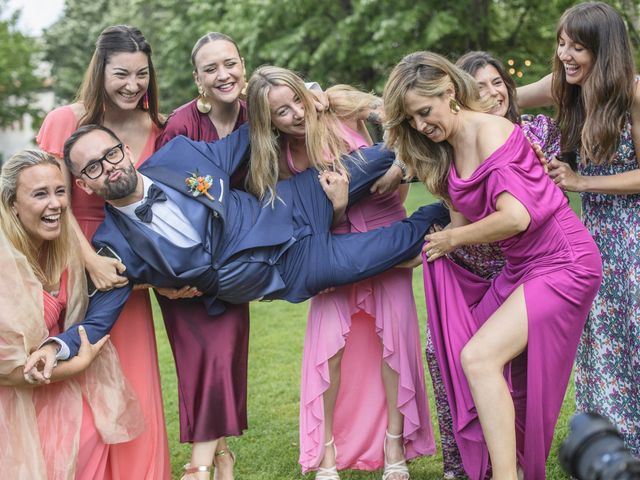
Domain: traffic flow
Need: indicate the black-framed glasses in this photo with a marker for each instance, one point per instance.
(95, 168)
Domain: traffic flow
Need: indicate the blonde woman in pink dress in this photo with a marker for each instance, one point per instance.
(362, 370)
(120, 92)
(62, 429)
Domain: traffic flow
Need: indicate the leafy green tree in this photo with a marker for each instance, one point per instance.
(330, 41)
(18, 71)
(69, 44)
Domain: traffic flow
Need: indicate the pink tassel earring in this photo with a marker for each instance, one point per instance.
(145, 101)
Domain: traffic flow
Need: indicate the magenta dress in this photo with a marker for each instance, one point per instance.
(374, 321)
(559, 265)
(212, 375)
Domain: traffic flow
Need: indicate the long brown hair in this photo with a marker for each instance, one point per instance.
(471, 62)
(54, 253)
(430, 75)
(591, 116)
(113, 40)
(323, 133)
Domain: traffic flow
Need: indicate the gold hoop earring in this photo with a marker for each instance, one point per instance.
(202, 103)
(454, 106)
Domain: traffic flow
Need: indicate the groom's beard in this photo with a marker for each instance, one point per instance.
(121, 188)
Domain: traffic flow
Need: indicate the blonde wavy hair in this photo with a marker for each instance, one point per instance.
(324, 137)
(54, 253)
(430, 75)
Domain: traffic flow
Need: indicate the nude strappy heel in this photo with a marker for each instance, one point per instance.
(397, 468)
(329, 473)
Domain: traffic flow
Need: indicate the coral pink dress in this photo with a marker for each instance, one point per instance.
(374, 321)
(146, 457)
(92, 451)
(559, 265)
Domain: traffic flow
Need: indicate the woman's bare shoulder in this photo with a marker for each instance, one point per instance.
(493, 131)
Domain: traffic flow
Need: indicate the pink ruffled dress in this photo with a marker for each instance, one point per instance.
(374, 321)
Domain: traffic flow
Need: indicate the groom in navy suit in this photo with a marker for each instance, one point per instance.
(229, 245)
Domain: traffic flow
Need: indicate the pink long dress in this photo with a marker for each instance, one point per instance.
(146, 457)
(374, 321)
(559, 265)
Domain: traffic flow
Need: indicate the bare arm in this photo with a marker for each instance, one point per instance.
(536, 94)
(620, 184)
(509, 219)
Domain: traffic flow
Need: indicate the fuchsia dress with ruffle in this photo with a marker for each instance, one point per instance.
(559, 265)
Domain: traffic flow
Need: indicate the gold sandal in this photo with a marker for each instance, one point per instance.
(189, 471)
(220, 453)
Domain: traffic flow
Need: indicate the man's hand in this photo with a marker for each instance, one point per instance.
(40, 364)
(45, 358)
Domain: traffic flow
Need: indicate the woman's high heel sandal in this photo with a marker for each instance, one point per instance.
(329, 473)
(221, 453)
(397, 468)
(189, 471)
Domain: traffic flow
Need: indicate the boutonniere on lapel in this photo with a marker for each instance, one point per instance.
(199, 185)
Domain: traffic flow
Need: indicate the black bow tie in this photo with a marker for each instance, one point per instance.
(144, 212)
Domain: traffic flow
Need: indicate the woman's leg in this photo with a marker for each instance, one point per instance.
(329, 401)
(202, 456)
(394, 447)
(499, 340)
(223, 459)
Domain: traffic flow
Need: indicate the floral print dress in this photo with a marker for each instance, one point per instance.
(608, 363)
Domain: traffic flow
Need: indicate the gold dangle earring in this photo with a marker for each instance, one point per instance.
(454, 106)
(203, 104)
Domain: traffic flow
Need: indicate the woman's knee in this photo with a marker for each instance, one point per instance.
(475, 361)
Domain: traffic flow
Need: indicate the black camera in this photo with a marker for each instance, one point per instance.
(594, 451)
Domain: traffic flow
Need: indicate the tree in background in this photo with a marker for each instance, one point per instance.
(330, 41)
(19, 81)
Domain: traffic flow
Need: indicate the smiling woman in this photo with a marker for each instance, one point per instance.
(119, 91)
(40, 201)
(63, 427)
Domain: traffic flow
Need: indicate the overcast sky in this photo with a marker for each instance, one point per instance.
(36, 14)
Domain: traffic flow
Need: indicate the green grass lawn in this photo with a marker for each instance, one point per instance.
(269, 449)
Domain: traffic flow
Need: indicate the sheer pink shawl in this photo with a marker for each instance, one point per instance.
(56, 408)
